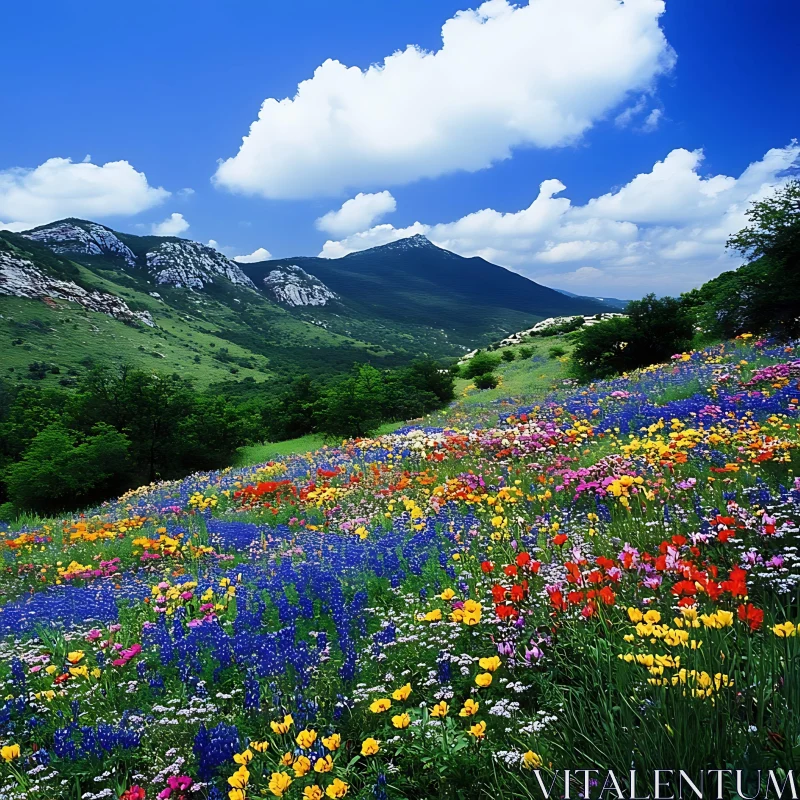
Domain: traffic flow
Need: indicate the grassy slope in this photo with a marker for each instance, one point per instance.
(523, 379)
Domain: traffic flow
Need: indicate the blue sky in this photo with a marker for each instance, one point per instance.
(171, 88)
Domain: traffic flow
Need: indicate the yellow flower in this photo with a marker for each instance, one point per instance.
(259, 747)
(332, 742)
(243, 758)
(239, 778)
(306, 739)
(652, 617)
(279, 783)
(287, 759)
(237, 794)
(282, 726)
(447, 594)
(484, 679)
(470, 708)
(323, 764)
(784, 629)
(471, 612)
(313, 793)
(9, 752)
(440, 709)
(478, 730)
(369, 747)
(490, 664)
(531, 760)
(301, 766)
(380, 705)
(401, 720)
(75, 656)
(634, 615)
(402, 693)
(433, 616)
(337, 789)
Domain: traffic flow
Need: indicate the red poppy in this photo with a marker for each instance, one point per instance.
(559, 539)
(498, 593)
(510, 570)
(523, 559)
(487, 566)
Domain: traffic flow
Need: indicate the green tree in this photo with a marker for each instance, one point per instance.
(508, 355)
(486, 381)
(352, 407)
(61, 469)
(481, 363)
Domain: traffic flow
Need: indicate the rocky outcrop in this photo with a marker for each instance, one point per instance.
(92, 240)
(20, 277)
(294, 287)
(192, 265)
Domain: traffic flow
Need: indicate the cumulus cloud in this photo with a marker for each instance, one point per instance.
(358, 213)
(663, 231)
(260, 254)
(173, 225)
(62, 188)
(506, 76)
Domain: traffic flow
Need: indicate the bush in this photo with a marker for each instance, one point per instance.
(486, 381)
(508, 355)
(480, 364)
(525, 352)
(654, 330)
(557, 351)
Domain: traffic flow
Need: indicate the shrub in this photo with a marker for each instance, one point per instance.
(486, 381)
(480, 364)
(508, 355)
(557, 351)
(525, 352)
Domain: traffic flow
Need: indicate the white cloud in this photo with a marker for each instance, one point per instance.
(260, 254)
(652, 120)
(505, 77)
(60, 188)
(360, 212)
(663, 231)
(623, 119)
(213, 243)
(173, 225)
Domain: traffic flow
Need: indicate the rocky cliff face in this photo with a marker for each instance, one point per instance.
(192, 265)
(294, 287)
(67, 237)
(20, 277)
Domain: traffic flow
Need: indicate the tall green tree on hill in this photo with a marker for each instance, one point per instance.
(763, 296)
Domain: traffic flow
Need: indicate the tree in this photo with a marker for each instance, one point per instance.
(653, 330)
(481, 363)
(508, 355)
(60, 468)
(352, 407)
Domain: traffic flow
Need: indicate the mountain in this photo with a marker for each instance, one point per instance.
(414, 282)
(74, 293)
(610, 303)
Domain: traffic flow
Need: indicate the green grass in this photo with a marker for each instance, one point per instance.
(521, 378)
(259, 453)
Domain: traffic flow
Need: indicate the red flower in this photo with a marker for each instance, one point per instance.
(510, 570)
(504, 611)
(134, 793)
(518, 592)
(753, 616)
(498, 593)
(559, 539)
(487, 566)
(523, 559)
(607, 595)
(557, 600)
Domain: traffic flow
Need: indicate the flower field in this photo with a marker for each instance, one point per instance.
(609, 578)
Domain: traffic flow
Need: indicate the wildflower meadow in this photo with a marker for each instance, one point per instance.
(607, 578)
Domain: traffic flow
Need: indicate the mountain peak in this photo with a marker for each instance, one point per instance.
(416, 242)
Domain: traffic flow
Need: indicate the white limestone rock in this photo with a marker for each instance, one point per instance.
(93, 240)
(191, 265)
(294, 287)
(20, 277)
